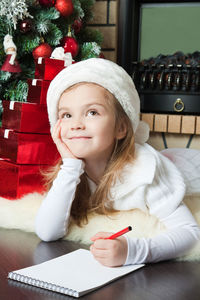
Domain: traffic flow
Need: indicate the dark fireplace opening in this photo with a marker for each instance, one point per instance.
(167, 82)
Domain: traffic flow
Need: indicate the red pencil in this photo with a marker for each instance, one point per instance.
(119, 233)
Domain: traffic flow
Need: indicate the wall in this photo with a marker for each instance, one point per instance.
(105, 20)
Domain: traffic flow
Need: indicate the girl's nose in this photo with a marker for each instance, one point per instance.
(78, 124)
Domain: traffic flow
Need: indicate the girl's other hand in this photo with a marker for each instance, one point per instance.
(110, 253)
(61, 146)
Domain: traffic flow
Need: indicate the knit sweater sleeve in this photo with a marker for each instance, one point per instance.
(53, 216)
(182, 233)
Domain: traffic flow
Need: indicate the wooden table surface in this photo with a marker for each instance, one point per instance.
(162, 281)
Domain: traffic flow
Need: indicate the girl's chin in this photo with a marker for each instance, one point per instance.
(82, 155)
(78, 153)
(81, 151)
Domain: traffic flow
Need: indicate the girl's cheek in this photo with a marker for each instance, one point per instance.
(63, 128)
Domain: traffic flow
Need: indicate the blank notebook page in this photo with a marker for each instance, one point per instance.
(77, 270)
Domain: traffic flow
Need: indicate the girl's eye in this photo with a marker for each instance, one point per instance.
(66, 116)
(92, 113)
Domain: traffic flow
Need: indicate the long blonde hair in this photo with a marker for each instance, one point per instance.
(123, 153)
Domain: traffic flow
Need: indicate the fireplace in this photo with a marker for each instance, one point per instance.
(158, 45)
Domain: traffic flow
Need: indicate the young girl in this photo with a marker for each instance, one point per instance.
(106, 166)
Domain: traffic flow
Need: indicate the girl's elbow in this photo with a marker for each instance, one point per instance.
(45, 235)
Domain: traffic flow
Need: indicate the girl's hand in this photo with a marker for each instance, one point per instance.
(110, 253)
(61, 146)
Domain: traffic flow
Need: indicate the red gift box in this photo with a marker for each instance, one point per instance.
(18, 180)
(25, 117)
(48, 68)
(37, 91)
(27, 148)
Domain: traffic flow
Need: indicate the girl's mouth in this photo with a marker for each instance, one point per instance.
(79, 137)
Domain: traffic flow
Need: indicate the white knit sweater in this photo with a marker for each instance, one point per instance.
(152, 183)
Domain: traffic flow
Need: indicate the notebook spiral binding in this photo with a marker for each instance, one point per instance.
(42, 284)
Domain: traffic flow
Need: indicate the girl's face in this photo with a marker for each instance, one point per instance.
(88, 122)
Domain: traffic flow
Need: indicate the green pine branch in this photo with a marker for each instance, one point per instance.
(26, 44)
(90, 50)
(4, 76)
(47, 14)
(87, 6)
(17, 91)
(54, 35)
(90, 35)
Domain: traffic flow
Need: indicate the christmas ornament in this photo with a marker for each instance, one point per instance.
(47, 3)
(101, 55)
(11, 64)
(76, 26)
(70, 44)
(43, 50)
(25, 25)
(65, 7)
(14, 10)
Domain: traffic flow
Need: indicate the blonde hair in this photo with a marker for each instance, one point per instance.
(123, 153)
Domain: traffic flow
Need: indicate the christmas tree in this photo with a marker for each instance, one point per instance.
(30, 29)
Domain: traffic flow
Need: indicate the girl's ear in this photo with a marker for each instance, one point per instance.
(121, 130)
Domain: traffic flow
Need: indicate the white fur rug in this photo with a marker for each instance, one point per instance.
(20, 214)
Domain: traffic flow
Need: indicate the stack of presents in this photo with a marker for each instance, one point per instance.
(26, 146)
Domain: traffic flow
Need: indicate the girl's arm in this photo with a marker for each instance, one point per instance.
(182, 232)
(53, 216)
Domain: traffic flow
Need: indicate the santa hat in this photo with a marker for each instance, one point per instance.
(108, 75)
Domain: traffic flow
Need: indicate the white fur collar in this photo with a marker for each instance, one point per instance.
(132, 175)
(133, 180)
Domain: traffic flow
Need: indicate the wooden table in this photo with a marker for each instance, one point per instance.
(162, 281)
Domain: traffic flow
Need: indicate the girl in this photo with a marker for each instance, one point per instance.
(106, 166)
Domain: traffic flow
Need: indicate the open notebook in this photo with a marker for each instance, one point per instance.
(74, 274)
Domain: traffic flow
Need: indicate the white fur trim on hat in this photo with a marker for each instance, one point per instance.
(108, 75)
